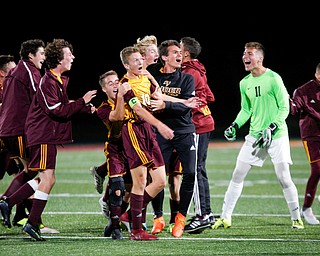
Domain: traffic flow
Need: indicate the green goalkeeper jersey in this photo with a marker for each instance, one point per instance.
(264, 100)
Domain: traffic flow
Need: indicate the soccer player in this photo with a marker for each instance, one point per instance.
(111, 113)
(265, 102)
(48, 125)
(7, 165)
(304, 103)
(19, 87)
(204, 123)
(178, 117)
(148, 47)
(6, 64)
(139, 140)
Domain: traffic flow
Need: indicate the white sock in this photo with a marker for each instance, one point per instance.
(230, 199)
(291, 196)
(41, 195)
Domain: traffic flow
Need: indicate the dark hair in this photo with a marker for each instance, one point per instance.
(163, 47)
(4, 60)
(192, 46)
(30, 46)
(54, 52)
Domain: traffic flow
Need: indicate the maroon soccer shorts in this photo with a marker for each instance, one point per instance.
(43, 157)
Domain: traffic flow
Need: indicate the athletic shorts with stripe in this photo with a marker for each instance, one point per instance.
(116, 162)
(43, 157)
(141, 146)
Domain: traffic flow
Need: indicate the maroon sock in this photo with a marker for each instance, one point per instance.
(115, 212)
(124, 206)
(136, 202)
(22, 193)
(28, 204)
(146, 199)
(312, 184)
(17, 182)
(36, 211)
(20, 211)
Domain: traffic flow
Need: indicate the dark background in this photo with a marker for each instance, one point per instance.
(98, 34)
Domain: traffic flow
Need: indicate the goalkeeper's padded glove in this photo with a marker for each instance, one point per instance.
(267, 135)
(258, 143)
(230, 132)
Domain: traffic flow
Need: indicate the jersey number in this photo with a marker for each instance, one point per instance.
(146, 100)
(257, 88)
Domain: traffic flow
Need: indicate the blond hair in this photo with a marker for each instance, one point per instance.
(145, 42)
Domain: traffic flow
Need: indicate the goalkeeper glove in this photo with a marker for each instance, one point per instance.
(230, 132)
(258, 143)
(267, 135)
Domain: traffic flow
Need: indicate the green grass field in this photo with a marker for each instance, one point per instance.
(261, 223)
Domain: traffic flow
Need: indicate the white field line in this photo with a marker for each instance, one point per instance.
(173, 238)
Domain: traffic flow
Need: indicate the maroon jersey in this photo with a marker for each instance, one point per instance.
(306, 102)
(50, 113)
(19, 86)
(201, 116)
(113, 148)
(113, 128)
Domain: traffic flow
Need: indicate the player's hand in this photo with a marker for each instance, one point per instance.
(123, 88)
(165, 131)
(193, 102)
(267, 135)
(157, 105)
(259, 142)
(89, 96)
(231, 132)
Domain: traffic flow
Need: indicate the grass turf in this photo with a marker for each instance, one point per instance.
(261, 223)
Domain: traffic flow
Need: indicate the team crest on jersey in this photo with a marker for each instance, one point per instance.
(166, 83)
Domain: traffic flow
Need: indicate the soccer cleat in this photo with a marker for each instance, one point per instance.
(104, 208)
(97, 179)
(141, 235)
(179, 223)
(108, 229)
(19, 223)
(158, 225)
(309, 217)
(170, 227)
(116, 234)
(211, 218)
(197, 224)
(46, 230)
(5, 212)
(221, 223)
(297, 224)
(33, 232)
(124, 219)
